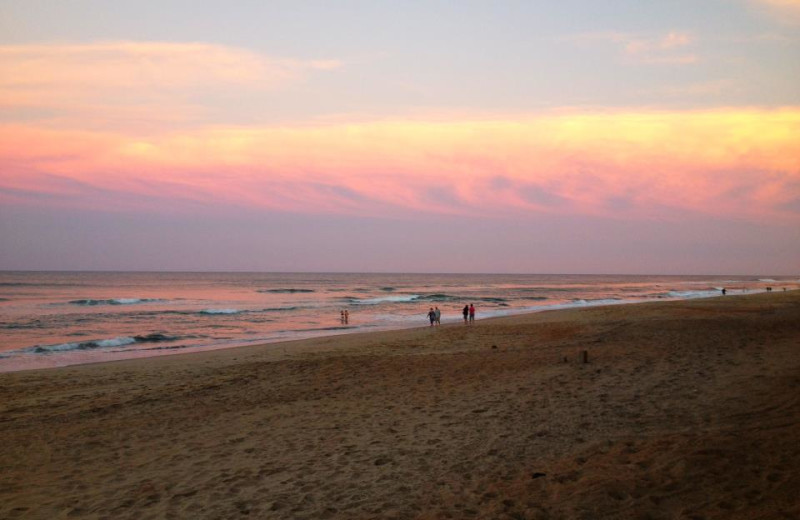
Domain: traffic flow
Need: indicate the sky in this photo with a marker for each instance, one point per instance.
(620, 137)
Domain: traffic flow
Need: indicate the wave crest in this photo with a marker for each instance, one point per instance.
(285, 291)
(114, 301)
(100, 343)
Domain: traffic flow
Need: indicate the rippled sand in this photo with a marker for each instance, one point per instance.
(684, 410)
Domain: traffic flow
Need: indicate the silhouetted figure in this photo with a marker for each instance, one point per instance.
(724, 291)
(432, 316)
(471, 313)
(465, 312)
(346, 316)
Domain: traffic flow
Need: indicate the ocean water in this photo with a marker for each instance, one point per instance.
(50, 319)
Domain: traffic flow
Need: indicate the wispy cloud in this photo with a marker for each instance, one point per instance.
(136, 65)
(670, 48)
(125, 76)
(695, 90)
(785, 11)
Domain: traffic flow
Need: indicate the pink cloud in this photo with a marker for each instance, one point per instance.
(785, 11)
(742, 163)
(665, 49)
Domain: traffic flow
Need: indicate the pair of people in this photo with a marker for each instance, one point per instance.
(345, 317)
(435, 315)
(469, 313)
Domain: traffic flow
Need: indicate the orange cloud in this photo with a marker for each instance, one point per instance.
(666, 49)
(730, 163)
(130, 81)
(786, 11)
(137, 65)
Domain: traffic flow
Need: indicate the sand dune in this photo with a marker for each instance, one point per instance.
(685, 410)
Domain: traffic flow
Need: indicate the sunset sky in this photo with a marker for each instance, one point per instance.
(625, 136)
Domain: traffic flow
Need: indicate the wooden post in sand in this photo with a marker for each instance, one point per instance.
(585, 356)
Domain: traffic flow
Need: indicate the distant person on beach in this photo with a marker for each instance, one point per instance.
(341, 316)
(465, 312)
(432, 316)
(471, 312)
(438, 316)
(346, 316)
(724, 291)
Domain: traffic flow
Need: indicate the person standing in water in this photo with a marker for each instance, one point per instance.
(471, 313)
(438, 314)
(432, 316)
(465, 312)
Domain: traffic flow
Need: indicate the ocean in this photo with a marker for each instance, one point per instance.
(50, 319)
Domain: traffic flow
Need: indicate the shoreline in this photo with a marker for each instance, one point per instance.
(40, 363)
(686, 407)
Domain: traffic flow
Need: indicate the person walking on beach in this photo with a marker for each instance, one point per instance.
(346, 316)
(438, 314)
(471, 313)
(465, 312)
(432, 316)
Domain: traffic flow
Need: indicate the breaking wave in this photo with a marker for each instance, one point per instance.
(384, 299)
(285, 291)
(414, 298)
(284, 309)
(115, 301)
(100, 343)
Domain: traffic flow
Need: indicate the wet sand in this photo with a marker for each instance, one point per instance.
(684, 410)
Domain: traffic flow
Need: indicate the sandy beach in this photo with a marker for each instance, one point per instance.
(687, 409)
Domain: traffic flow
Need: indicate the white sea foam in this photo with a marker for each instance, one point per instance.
(84, 345)
(114, 301)
(685, 295)
(115, 342)
(220, 311)
(604, 301)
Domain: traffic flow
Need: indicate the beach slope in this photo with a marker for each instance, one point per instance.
(686, 409)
